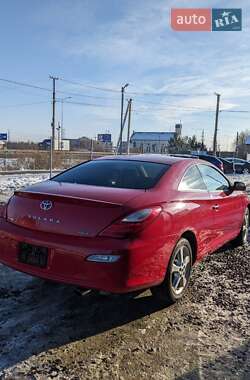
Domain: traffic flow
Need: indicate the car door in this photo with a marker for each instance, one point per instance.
(227, 206)
(196, 212)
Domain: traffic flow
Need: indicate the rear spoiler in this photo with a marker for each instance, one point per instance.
(65, 198)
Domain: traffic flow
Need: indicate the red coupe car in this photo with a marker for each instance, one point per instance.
(124, 223)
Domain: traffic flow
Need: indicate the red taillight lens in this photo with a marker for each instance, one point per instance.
(221, 167)
(132, 223)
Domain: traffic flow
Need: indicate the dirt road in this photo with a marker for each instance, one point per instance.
(48, 331)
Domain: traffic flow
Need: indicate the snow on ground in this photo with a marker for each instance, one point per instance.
(12, 182)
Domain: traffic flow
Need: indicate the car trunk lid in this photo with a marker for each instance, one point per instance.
(77, 210)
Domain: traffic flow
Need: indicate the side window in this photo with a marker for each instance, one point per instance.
(192, 180)
(213, 179)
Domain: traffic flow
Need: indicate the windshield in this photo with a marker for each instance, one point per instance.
(126, 174)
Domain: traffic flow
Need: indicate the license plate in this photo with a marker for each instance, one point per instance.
(33, 255)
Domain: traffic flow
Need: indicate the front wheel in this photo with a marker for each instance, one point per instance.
(177, 276)
(242, 238)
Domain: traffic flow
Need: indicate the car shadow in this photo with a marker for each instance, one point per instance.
(45, 316)
(37, 316)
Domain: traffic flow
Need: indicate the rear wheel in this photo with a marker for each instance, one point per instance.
(242, 238)
(178, 274)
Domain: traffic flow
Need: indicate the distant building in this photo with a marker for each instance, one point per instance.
(247, 141)
(44, 145)
(2, 145)
(178, 129)
(247, 147)
(153, 142)
(62, 144)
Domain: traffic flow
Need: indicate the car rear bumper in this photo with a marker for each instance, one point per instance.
(142, 262)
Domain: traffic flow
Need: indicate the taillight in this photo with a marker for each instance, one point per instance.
(132, 223)
(222, 167)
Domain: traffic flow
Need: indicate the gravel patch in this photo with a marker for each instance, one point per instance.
(47, 331)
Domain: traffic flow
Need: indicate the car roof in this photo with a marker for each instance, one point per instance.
(224, 159)
(157, 158)
(207, 156)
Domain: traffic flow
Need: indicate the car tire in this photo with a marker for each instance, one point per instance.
(177, 275)
(242, 238)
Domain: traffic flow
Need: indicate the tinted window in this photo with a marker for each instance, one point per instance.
(192, 180)
(115, 173)
(213, 179)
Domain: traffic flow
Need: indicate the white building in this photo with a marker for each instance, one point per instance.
(153, 142)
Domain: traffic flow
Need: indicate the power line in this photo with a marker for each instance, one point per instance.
(133, 93)
(164, 104)
(48, 90)
(140, 110)
(167, 94)
(23, 104)
(90, 86)
(90, 104)
(168, 106)
(24, 84)
(173, 108)
(235, 111)
(85, 96)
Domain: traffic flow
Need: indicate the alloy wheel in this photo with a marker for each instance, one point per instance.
(180, 270)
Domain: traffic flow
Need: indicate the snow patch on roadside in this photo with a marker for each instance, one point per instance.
(10, 183)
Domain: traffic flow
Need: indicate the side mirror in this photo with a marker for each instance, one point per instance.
(239, 186)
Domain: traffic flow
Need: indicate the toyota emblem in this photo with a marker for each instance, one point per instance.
(46, 205)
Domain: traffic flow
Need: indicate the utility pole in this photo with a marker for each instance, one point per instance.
(91, 149)
(129, 124)
(237, 144)
(122, 106)
(59, 131)
(52, 140)
(119, 143)
(62, 126)
(202, 139)
(216, 123)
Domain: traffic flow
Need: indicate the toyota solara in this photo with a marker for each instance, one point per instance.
(124, 223)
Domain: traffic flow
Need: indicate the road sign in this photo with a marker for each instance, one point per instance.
(104, 137)
(4, 136)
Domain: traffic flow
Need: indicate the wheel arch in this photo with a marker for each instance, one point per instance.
(248, 206)
(190, 236)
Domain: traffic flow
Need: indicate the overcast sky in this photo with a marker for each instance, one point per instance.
(107, 43)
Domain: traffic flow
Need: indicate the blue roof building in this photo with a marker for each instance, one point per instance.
(153, 142)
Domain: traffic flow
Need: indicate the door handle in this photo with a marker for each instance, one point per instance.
(215, 207)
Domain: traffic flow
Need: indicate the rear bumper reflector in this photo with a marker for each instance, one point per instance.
(103, 258)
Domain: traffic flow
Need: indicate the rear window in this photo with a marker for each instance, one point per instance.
(125, 174)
